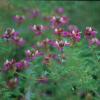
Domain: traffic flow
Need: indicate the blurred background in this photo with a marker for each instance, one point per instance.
(81, 13)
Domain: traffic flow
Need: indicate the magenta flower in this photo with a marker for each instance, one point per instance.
(94, 41)
(19, 41)
(22, 64)
(76, 35)
(43, 43)
(13, 36)
(61, 32)
(19, 19)
(89, 32)
(58, 31)
(10, 34)
(59, 44)
(58, 21)
(32, 54)
(66, 34)
(73, 33)
(9, 65)
(38, 29)
(59, 10)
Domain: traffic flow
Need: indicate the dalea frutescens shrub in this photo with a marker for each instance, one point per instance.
(40, 66)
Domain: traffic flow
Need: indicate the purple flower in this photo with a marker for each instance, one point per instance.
(9, 65)
(59, 44)
(43, 43)
(38, 29)
(13, 36)
(66, 34)
(94, 41)
(90, 32)
(58, 21)
(19, 19)
(58, 31)
(19, 41)
(76, 35)
(10, 34)
(59, 10)
(61, 32)
(73, 33)
(22, 64)
(32, 54)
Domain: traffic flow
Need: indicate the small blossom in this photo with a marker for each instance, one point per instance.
(10, 34)
(61, 32)
(19, 19)
(22, 64)
(59, 44)
(58, 31)
(32, 54)
(19, 41)
(90, 32)
(58, 21)
(38, 29)
(13, 36)
(66, 34)
(94, 41)
(76, 35)
(43, 43)
(59, 10)
(9, 65)
(73, 33)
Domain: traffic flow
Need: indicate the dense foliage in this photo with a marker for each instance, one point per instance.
(49, 51)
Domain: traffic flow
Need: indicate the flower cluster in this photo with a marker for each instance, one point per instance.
(38, 29)
(12, 35)
(32, 54)
(64, 35)
(9, 65)
(90, 34)
(59, 44)
(20, 65)
(57, 21)
(13, 65)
